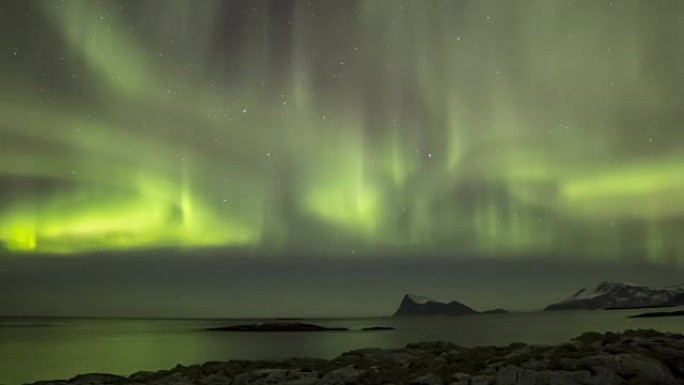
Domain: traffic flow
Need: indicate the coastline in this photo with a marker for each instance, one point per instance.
(639, 357)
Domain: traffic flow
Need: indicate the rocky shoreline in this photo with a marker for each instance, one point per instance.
(632, 357)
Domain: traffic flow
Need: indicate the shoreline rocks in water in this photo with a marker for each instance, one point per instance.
(276, 327)
(658, 314)
(632, 357)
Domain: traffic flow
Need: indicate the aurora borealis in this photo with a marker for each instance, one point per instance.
(498, 129)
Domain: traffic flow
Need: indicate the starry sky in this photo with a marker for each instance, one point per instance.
(471, 132)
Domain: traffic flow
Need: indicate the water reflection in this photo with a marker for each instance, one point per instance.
(36, 349)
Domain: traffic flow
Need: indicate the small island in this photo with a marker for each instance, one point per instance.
(377, 328)
(658, 314)
(416, 305)
(495, 311)
(276, 327)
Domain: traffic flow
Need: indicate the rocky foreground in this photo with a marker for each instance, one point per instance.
(633, 357)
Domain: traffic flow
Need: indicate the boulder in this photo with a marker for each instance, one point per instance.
(342, 376)
(428, 379)
(276, 377)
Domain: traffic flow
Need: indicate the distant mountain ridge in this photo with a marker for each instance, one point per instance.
(418, 305)
(608, 295)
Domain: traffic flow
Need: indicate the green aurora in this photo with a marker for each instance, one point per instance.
(487, 128)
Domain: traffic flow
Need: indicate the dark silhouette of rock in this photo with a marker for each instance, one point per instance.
(276, 327)
(639, 307)
(495, 311)
(678, 300)
(275, 376)
(658, 314)
(416, 305)
(614, 295)
(377, 328)
(632, 357)
(428, 379)
(342, 376)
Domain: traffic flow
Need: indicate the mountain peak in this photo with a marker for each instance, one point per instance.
(418, 299)
(610, 286)
(618, 295)
(419, 305)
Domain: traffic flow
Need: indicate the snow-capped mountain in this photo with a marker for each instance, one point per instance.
(619, 295)
(418, 305)
(419, 300)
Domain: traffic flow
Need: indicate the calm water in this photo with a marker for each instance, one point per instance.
(45, 348)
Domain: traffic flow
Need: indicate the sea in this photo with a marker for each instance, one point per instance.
(33, 349)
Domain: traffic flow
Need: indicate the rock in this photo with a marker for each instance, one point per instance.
(213, 367)
(377, 328)
(193, 371)
(342, 376)
(495, 311)
(97, 379)
(638, 368)
(677, 313)
(521, 376)
(217, 379)
(417, 305)
(371, 357)
(403, 357)
(276, 327)
(53, 382)
(428, 379)
(678, 300)
(481, 380)
(175, 378)
(276, 377)
(435, 347)
(460, 379)
(439, 362)
(144, 376)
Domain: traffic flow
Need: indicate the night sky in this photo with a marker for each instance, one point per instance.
(235, 149)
